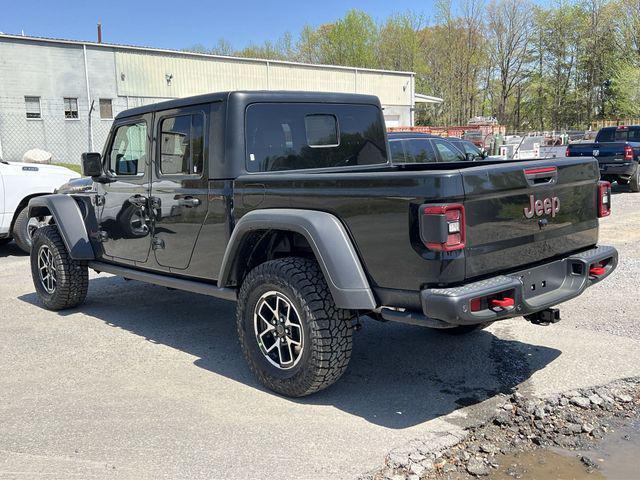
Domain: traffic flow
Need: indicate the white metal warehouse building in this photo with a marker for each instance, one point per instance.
(47, 87)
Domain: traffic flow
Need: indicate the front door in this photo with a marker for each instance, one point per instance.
(123, 203)
(180, 188)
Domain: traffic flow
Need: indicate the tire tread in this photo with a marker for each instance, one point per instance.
(330, 327)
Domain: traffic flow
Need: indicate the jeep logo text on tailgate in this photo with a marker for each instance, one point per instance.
(548, 206)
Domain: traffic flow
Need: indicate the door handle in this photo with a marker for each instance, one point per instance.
(188, 202)
(138, 200)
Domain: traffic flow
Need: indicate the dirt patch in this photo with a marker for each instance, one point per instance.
(552, 434)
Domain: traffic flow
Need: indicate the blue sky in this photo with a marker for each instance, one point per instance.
(181, 23)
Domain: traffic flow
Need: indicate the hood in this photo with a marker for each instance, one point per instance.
(45, 169)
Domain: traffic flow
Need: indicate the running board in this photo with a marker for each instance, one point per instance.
(166, 281)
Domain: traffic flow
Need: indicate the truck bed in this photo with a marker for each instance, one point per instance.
(380, 208)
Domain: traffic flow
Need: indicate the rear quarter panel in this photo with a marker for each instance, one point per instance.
(379, 210)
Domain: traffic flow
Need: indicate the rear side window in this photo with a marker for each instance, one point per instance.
(447, 152)
(397, 152)
(419, 151)
(181, 145)
(297, 136)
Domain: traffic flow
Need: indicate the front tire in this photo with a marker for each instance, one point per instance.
(60, 281)
(294, 338)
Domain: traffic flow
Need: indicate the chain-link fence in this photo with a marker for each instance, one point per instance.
(65, 138)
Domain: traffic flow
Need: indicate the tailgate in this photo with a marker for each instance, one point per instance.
(507, 228)
(604, 152)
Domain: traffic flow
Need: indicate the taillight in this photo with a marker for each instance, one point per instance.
(628, 153)
(567, 153)
(604, 199)
(442, 227)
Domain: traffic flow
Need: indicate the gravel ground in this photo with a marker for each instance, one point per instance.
(146, 383)
(619, 297)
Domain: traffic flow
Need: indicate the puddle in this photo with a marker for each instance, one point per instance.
(617, 458)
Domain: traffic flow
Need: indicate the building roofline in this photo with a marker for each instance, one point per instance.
(9, 36)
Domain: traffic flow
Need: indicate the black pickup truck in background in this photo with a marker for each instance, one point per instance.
(289, 204)
(617, 150)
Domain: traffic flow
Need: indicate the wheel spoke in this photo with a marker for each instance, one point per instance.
(275, 344)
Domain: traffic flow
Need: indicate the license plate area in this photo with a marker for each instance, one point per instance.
(542, 279)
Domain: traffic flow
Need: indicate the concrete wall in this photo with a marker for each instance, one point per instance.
(131, 77)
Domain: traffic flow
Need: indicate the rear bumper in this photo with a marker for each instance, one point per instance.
(626, 168)
(533, 289)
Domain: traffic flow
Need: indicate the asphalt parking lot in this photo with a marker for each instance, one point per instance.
(142, 382)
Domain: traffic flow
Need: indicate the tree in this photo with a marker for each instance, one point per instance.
(509, 31)
(351, 41)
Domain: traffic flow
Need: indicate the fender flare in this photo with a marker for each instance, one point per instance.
(329, 241)
(70, 221)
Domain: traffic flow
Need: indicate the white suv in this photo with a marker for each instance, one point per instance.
(19, 182)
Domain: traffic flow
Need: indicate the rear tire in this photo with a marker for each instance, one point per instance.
(465, 329)
(60, 281)
(634, 181)
(274, 298)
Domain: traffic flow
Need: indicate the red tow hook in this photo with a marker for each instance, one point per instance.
(503, 303)
(596, 270)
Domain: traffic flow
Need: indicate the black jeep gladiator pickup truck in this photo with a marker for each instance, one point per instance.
(288, 203)
(617, 150)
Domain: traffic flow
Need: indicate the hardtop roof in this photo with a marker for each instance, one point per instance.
(253, 96)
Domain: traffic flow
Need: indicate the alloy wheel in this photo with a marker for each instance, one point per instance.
(47, 269)
(278, 330)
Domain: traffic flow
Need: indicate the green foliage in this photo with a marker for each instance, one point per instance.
(71, 166)
(558, 65)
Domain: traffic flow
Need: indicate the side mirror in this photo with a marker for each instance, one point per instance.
(469, 157)
(91, 164)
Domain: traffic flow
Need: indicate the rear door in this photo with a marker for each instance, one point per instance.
(525, 212)
(180, 187)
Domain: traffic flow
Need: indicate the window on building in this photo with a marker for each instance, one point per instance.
(106, 108)
(292, 136)
(70, 107)
(127, 155)
(32, 105)
(181, 145)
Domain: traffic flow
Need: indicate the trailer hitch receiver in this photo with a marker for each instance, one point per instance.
(544, 317)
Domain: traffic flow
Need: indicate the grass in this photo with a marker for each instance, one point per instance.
(71, 166)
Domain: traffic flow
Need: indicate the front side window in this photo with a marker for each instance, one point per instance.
(70, 107)
(302, 136)
(32, 105)
(181, 145)
(128, 152)
(447, 152)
